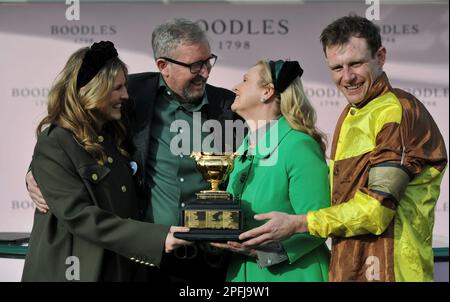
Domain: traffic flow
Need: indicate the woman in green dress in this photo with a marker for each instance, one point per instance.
(280, 167)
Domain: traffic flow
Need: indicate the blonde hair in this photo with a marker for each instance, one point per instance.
(73, 109)
(295, 106)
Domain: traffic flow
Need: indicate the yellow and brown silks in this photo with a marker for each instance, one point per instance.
(387, 162)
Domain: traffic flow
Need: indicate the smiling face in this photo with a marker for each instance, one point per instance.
(188, 86)
(249, 93)
(353, 68)
(110, 108)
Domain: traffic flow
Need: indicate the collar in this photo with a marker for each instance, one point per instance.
(163, 88)
(380, 86)
(268, 141)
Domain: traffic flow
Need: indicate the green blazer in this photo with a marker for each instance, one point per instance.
(288, 173)
(92, 218)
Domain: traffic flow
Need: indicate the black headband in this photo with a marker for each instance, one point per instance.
(94, 59)
(283, 73)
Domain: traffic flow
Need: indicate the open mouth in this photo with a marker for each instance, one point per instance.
(117, 106)
(198, 81)
(353, 88)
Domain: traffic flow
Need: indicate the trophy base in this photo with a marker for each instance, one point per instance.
(211, 219)
(209, 235)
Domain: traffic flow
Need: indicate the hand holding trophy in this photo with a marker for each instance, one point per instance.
(214, 215)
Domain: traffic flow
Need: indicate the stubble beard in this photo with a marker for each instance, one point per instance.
(189, 97)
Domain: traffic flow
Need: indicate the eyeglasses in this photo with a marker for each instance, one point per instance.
(196, 66)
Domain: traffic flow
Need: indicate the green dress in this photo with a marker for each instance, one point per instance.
(287, 173)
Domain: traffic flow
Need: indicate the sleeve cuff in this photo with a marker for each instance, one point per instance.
(271, 254)
(313, 225)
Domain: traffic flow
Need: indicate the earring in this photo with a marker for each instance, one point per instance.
(263, 99)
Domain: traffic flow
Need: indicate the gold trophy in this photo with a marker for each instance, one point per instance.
(214, 215)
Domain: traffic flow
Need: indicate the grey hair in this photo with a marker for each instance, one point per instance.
(168, 36)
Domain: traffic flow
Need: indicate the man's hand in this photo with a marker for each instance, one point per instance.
(35, 193)
(278, 227)
(172, 242)
(235, 247)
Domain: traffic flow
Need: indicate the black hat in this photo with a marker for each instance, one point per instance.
(283, 73)
(94, 59)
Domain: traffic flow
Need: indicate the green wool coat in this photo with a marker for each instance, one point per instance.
(91, 232)
(287, 173)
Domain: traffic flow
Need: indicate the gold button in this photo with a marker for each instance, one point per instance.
(110, 160)
(352, 111)
(100, 139)
(94, 176)
(124, 189)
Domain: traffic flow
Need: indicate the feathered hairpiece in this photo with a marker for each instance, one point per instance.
(283, 73)
(94, 59)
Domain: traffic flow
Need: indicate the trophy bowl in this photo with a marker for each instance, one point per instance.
(215, 168)
(214, 215)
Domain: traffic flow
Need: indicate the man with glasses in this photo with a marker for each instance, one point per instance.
(184, 59)
(195, 67)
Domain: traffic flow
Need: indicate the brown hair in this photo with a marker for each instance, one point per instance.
(341, 30)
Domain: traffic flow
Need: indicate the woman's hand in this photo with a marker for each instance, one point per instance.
(172, 242)
(235, 247)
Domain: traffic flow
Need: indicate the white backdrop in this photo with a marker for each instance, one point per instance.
(36, 40)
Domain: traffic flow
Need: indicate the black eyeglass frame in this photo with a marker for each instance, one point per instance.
(203, 63)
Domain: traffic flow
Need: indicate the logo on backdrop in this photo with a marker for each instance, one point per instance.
(332, 97)
(429, 96)
(329, 97)
(236, 29)
(17, 205)
(83, 33)
(245, 27)
(390, 33)
(35, 95)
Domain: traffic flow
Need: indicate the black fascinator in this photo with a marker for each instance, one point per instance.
(283, 73)
(95, 58)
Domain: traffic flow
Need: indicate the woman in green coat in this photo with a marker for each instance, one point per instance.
(280, 167)
(82, 165)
